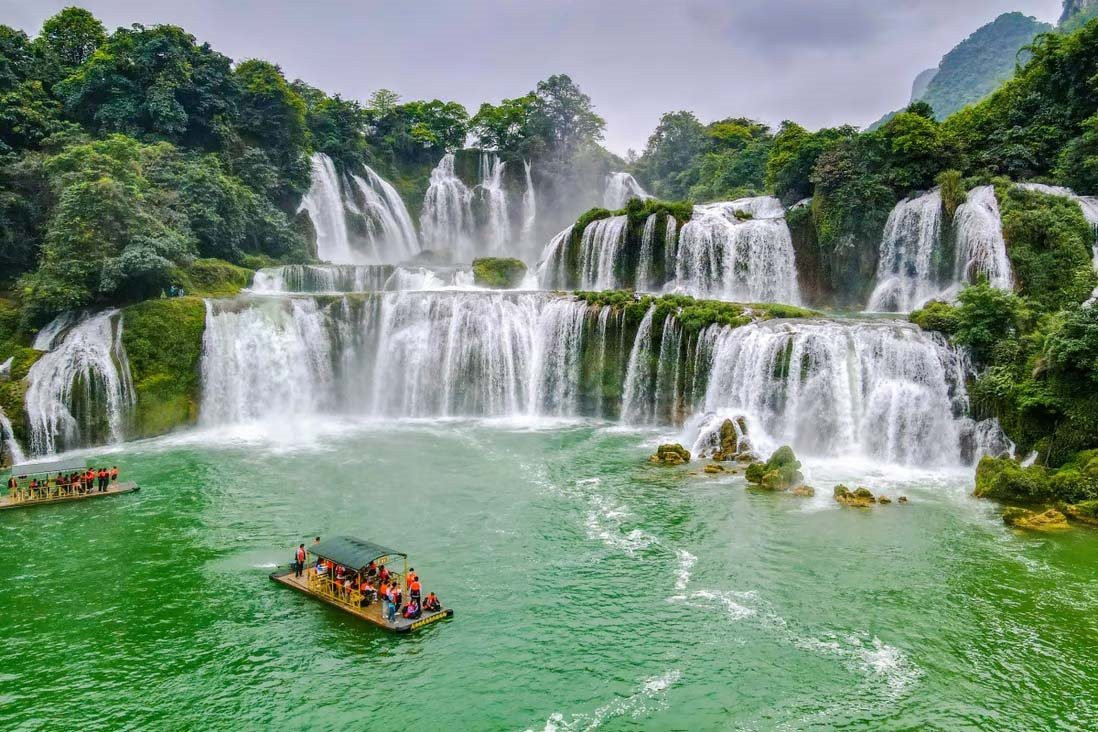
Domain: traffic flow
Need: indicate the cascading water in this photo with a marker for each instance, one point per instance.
(390, 234)
(529, 211)
(447, 217)
(331, 278)
(647, 253)
(9, 446)
(981, 248)
(386, 233)
(738, 250)
(600, 249)
(906, 276)
(552, 270)
(324, 204)
(80, 392)
(884, 390)
(496, 228)
(620, 187)
(399, 354)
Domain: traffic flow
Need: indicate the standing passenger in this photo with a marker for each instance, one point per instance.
(299, 565)
(114, 474)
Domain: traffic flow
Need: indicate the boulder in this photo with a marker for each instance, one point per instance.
(883, 500)
(1085, 512)
(1022, 518)
(670, 454)
(804, 490)
(860, 497)
(780, 473)
(713, 468)
(901, 499)
(732, 443)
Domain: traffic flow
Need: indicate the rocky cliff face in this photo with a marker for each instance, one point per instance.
(1078, 11)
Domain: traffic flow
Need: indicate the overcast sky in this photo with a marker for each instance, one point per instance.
(820, 62)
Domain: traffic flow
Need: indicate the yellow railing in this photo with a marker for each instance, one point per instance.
(329, 588)
(26, 494)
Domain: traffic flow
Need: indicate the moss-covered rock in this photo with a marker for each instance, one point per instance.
(1021, 518)
(670, 454)
(1005, 480)
(860, 497)
(163, 340)
(498, 272)
(15, 344)
(936, 316)
(712, 468)
(780, 473)
(805, 491)
(1085, 512)
(212, 278)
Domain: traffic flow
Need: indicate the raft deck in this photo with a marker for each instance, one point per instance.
(114, 489)
(371, 613)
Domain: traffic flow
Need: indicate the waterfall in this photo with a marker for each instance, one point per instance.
(905, 270)
(335, 278)
(670, 244)
(386, 233)
(496, 229)
(600, 250)
(390, 234)
(638, 375)
(80, 393)
(324, 204)
(738, 250)
(46, 337)
(879, 389)
(411, 354)
(552, 271)
(620, 187)
(647, 253)
(8, 444)
(447, 217)
(981, 249)
(529, 210)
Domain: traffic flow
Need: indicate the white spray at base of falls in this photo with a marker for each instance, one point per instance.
(336, 278)
(912, 236)
(387, 234)
(981, 248)
(744, 258)
(80, 392)
(620, 187)
(884, 390)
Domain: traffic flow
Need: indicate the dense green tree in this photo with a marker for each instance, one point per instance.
(672, 148)
(911, 150)
(157, 83)
(987, 317)
(16, 58)
(271, 117)
(25, 202)
(336, 125)
(793, 157)
(564, 118)
(66, 41)
(507, 127)
(28, 114)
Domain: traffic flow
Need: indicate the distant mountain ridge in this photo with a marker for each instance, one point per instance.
(976, 66)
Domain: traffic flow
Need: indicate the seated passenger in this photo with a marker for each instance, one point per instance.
(412, 611)
(432, 604)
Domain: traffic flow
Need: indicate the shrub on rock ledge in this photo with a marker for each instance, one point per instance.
(501, 273)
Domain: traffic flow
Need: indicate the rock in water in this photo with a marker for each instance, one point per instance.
(883, 500)
(860, 497)
(804, 490)
(1085, 511)
(713, 468)
(780, 473)
(1021, 518)
(670, 454)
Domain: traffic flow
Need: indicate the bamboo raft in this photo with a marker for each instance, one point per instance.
(356, 555)
(49, 492)
(51, 495)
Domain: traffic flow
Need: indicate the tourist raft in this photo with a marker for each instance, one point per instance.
(37, 484)
(359, 561)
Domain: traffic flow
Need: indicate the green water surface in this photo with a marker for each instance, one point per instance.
(591, 592)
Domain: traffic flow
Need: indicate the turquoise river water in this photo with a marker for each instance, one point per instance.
(591, 591)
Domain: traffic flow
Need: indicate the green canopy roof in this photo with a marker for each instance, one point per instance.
(351, 552)
(66, 465)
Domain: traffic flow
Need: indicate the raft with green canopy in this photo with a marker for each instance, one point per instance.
(36, 484)
(358, 559)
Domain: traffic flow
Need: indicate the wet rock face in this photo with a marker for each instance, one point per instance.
(1021, 518)
(670, 454)
(780, 473)
(1085, 512)
(730, 442)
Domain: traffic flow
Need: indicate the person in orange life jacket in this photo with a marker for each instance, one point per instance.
(414, 588)
(114, 474)
(299, 557)
(411, 576)
(432, 603)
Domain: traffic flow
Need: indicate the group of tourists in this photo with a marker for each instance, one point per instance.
(77, 483)
(372, 584)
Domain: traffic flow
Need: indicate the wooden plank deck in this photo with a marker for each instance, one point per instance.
(114, 489)
(371, 613)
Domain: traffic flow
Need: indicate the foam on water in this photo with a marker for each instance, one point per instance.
(648, 698)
